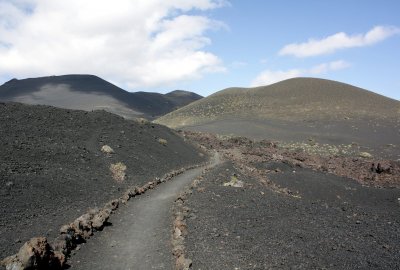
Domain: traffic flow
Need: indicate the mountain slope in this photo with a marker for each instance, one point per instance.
(293, 99)
(182, 98)
(299, 109)
(88, 92)
(52, 168)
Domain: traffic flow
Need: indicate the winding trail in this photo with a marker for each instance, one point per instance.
(140, 234)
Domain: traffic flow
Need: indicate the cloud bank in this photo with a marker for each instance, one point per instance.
(338, 41)
(268, 77)
(137, 44)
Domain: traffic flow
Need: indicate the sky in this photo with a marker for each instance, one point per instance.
(203, 45)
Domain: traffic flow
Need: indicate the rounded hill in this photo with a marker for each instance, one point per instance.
(293, 99)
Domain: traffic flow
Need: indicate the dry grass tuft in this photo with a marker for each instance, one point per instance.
(162, 141)
(118, 171)
(365, 155)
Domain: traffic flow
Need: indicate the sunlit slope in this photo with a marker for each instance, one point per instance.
(290, 100)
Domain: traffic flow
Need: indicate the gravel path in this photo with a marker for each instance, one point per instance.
(52, 169)
(140, 234)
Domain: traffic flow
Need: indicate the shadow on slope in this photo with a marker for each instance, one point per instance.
(88, 92)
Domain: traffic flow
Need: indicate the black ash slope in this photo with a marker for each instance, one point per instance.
(52, 169)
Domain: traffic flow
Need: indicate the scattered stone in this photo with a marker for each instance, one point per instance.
(107, 149)
(100, 219)
(83, 226)
(9, 184)
(65, 229)
(181, 226)
(178, 250)
(125, 198)
(62, 244)
(177, 233)
(35, 254)
(112, 205)
(12, 263)
(381, 167)
(183, 263)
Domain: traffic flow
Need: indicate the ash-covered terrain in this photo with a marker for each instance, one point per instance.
(268, 207)
(298, 110)
(308, 177)
(53, 169)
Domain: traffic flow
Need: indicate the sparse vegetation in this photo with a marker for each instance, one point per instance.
(162, 141)
(118, 171)
(365, 155)
(293, 99)
(234, 182)
(324, 150)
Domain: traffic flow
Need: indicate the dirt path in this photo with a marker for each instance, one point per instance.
(140, 235)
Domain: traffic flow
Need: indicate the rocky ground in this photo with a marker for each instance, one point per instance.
(251, 156)
(269, 207)
(379, 137)
(53, 166)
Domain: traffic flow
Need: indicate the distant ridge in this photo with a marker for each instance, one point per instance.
(293, 99)
(89, 92)
(181, 97)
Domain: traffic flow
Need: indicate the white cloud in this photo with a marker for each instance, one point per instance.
(326, 67)
(135, 43)
(339, 41)
(268, 77)
(272, 76)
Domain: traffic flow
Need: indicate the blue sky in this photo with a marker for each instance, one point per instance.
(204, 45)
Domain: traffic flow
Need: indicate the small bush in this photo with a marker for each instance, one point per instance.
(235, 182)
(365, 155)
(118, 171)
(162, 141)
